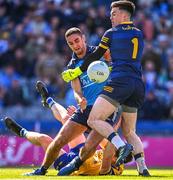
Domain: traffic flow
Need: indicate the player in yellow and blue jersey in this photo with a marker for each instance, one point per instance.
(125, 86)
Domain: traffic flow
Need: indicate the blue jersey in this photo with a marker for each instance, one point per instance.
(126, 44)
(90, 89)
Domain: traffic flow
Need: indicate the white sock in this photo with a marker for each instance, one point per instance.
(23, 132)
(140, 162)
(50, 101)
(117, 141)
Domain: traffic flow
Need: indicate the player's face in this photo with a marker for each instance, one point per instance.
(77, 44)
(115, 16)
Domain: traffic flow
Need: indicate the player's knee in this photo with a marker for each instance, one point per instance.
(45, 138)
(65, 118)
(90, 122)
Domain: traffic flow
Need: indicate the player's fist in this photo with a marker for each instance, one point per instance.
(82, 103)
(71, 110)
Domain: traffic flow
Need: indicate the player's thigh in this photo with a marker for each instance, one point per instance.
(69, 131)
(136, 99)
(101, 109)
(128, 123)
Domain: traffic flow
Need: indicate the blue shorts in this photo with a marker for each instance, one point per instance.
(81, 118)
(126, 91)
(65, 158)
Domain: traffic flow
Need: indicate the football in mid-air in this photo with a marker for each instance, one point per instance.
(98, 71)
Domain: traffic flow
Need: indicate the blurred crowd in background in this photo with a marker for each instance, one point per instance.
(33, 47)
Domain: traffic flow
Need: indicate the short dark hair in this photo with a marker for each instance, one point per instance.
(73, 30)
(124, 5)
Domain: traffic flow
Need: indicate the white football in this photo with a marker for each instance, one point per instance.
(98, 71)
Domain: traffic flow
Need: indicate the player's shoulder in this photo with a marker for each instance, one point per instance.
(107, 35)
(109, 31)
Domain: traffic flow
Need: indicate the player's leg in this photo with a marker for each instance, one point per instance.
(109, 158)
(130, 107)
(129, 132)
(59, 112)
(38, 139)
(35, 138)
(68, 132)
(109, 152)
(101, 110)
(95, 137)
(87, 151)
(42, 140)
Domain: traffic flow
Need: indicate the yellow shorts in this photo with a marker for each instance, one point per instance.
(91, 166)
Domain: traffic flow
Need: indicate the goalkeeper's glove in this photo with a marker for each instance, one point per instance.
(110, 68)
(71, 74)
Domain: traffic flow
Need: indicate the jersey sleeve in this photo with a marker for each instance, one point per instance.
(105, 41)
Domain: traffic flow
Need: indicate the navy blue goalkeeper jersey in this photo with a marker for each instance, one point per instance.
(125, 42)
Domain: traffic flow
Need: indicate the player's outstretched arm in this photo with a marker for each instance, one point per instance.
(71, 74)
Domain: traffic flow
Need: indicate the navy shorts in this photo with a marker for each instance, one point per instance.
(81, 118)
(126, 91)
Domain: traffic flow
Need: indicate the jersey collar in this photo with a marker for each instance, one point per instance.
(127, 22)
(88, 50)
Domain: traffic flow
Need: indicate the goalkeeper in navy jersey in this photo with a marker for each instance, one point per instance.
(124, 88)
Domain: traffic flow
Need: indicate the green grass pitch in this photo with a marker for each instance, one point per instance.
(16, 173)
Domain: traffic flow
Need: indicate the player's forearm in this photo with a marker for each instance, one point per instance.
(96, 55)
(78, 96)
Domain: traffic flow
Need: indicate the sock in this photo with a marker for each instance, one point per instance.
(115, 139)
(78, 162)
(43, 168)
(50, 101)
(140, 162)
(23, 132)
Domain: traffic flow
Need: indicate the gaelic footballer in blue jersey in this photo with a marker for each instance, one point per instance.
(85, 93)
(125, 86)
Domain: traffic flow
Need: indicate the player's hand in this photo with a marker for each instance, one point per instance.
(82, 104)
(107, 55)
(71, 110)
(71, 74)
